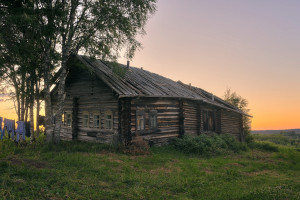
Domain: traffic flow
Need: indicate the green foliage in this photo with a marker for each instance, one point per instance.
(265, 146)
(117, 69)
(248, 136)
(238, 101)
(208, 145)
(37, 36)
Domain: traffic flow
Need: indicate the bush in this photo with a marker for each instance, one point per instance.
(248, 137)
(265, 146)
(208, 145)
(137, 147)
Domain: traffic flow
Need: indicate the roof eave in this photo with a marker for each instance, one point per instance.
(187, 98)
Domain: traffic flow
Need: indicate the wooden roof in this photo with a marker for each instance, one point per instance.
(138, 82)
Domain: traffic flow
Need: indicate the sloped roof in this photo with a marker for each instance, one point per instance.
(142, 83)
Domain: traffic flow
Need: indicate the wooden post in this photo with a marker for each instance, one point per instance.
(181, 119)
(120, 120)
(201, 119)
(242, 136)
(220, 121)
(198, 118)
(75, 118)
(125, 120)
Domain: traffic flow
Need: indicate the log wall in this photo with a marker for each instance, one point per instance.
(92, 96)
(87, 94)
(231, 123)
(192, 118)
(167, 119)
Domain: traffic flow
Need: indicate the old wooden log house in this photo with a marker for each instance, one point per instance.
(109, 103)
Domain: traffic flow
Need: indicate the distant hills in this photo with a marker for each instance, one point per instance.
(274, 131)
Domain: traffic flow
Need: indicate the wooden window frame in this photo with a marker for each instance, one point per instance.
(210, 114)
(153, 116)
(84, 119)
(140, 113)
(107, 121)
(94, 115)
(66, 118)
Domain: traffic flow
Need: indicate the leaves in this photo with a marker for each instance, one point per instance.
(241, 103)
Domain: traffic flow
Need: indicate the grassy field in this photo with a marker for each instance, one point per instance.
(74, 170)
(284, 138)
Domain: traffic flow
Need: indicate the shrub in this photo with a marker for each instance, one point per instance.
(248, 137)
(265, 146)
(208, 145)
(137, 147)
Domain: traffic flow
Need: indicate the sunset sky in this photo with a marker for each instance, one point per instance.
(252, 47)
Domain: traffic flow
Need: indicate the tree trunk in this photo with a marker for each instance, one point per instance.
(26, 112)
(32, 137)
(18, 100)
(22, 91)
(61, 100)
(37, 110)
(47, 97)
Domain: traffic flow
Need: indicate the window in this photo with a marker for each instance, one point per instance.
(140, 120)
(108, 120)
(153, 119)
(208, 120)
(86, 119)
(96, 120)
(68, 119)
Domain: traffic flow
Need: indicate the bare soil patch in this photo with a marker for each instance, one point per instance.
(27, 162)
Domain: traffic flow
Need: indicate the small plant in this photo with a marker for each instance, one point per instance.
(117, 69)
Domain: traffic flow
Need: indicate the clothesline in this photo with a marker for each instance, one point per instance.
(14, 134)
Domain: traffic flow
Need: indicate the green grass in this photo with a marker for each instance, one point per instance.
(284, 138)
(77, 170)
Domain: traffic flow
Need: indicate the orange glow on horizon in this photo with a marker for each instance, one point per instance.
(262, 119)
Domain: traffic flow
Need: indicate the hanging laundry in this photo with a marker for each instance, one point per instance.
(27, 128)
(9, 125)
(20, 131)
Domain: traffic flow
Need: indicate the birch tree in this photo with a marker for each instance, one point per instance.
(98, 28)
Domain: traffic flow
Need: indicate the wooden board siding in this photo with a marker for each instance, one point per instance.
(167, 118)
(193, 122)
(93, 96)
(231, 123)
(191, 118)
(218, 121)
